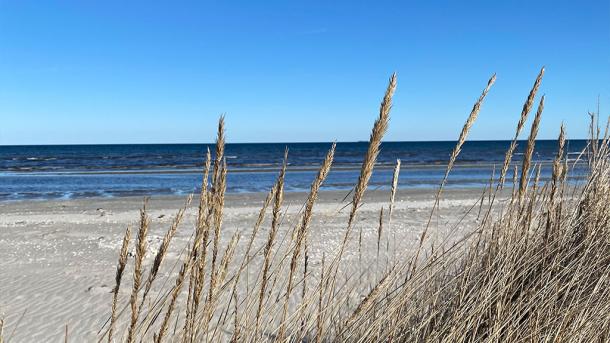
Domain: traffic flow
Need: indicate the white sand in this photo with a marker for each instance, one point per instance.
(58, 258)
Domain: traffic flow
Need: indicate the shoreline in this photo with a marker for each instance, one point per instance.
(266, 169)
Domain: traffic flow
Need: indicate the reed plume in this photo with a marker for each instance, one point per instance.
(301, 232)
(218, 206)
(141, 249)
(527, 106)
(212, 220)
(163, 248)
(277, 205)
(529, 151)
(118, 277)
(379, 129)
(198, 252)
(474, 113)
(218, 190)
(556, 181)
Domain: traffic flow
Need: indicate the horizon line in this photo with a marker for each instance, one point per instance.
(295, 142)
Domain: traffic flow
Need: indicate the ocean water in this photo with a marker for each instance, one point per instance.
(77, 171)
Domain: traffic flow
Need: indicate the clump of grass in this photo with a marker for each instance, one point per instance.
(534, 269)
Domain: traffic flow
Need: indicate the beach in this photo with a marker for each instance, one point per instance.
(58, 257)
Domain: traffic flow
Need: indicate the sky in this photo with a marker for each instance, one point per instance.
(97, 72)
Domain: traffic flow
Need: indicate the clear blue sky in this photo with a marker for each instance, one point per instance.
(162, 72)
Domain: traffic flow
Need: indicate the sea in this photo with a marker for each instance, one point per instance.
(39, 172)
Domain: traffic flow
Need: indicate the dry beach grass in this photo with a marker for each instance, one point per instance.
(534, 266)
